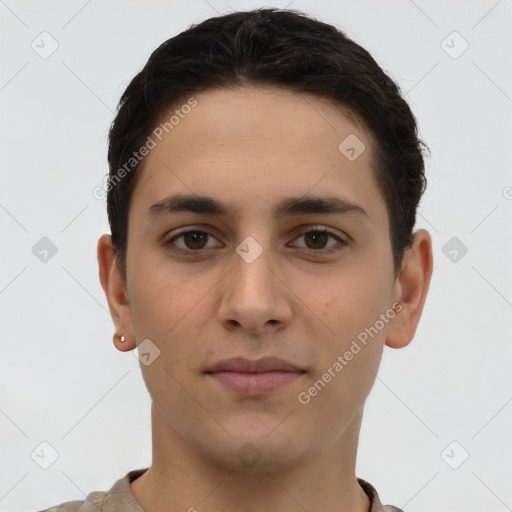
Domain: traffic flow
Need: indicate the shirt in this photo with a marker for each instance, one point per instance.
(120, 498)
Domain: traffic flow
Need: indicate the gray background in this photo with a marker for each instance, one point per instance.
(63, 381)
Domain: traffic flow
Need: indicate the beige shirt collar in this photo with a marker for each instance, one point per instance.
(120, 497)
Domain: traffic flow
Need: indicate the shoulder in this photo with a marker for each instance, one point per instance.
(69, 506)
(119, 497)
(375, 503)
(93, 503)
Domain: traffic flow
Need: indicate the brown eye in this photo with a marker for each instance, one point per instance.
(195, 239)
(316, 240)
(190, 242)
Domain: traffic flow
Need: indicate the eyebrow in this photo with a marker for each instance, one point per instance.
(290, 206)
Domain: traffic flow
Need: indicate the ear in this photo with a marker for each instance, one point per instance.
(116, 293)
(411, 290)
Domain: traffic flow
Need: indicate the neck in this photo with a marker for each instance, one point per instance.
(181, 478)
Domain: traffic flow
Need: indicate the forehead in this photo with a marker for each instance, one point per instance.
(260, 143)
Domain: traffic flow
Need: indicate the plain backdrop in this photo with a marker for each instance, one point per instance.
(436, 431)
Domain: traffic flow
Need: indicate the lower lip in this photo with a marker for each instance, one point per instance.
(250, 384)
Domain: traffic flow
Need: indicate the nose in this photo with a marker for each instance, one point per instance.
(255, 298)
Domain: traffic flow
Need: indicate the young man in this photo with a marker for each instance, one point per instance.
(264, 180)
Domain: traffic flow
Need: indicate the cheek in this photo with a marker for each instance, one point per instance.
(162, 295)
(351, 307)
(352, 301)
(171, 309)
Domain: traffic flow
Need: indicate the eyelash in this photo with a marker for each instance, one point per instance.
(192, 253)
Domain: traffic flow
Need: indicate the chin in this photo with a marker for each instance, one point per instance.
(255, 451)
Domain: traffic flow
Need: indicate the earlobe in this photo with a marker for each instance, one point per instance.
(116, 294)
(411, 289)
(121, 342)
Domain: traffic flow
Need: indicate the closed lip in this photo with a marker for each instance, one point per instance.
(265, 364)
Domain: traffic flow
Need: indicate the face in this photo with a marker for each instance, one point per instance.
(257, 270)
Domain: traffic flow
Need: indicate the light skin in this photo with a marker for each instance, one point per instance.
(252, 148)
